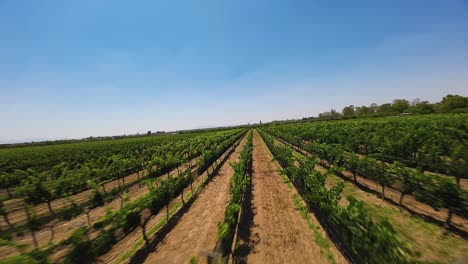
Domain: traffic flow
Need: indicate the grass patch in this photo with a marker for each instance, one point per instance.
(322, 242)
(286, 180)
(426, 239)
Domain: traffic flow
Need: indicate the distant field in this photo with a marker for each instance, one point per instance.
(373, 190)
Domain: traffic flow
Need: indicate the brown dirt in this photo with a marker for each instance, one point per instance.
(119, 250)
(412, 204)
(17, 214)
(59, 230)
(195, 235)
(278, 233)
(463, 181)
(393, 195)
(429, 240)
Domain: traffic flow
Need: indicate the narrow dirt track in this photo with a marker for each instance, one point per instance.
(118, 251)
(392, 194)
(278, 234)
(17, 214)
(59, 230)
(196, 233)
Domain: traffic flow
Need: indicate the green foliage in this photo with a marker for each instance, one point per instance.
(72, 211)
(35, 189)
(365, 239)
(449, 104)
(103, 242)
(428, 142)
(211, 155)
(36, 256)
(128, 217)
(132, 221)
(436, 191)
(97, 199)
(237, 186)
(48, 172)
(81, 248)
(34, 223)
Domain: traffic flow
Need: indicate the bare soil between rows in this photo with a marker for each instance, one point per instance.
(117, 252)
(410, 204)
(277, 234)
(17, 214)
(196, 233)
(58, 230)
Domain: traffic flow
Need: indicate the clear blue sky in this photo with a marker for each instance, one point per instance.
(71, 69)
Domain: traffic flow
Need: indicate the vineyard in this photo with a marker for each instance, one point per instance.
(364, 190)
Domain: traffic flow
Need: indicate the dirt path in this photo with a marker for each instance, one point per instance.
(463, 181)
(58, 230)
(196, 233)
(428, 239)
(119, 250)
(17, 214)
(278, 234)
(392, 196)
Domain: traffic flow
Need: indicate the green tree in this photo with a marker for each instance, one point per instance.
(423, 107)
(452, 102)
(385, 109)
(362, 110)
(373, 108)
(399, 105)
(348, 111)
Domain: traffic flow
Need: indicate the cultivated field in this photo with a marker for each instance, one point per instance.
(371, 190)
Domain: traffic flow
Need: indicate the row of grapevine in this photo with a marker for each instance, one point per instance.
(432, 189)
(132, 214)
(45, 187)
(210, 155)
(37, 191)
(237, 186)
(43, 158)
(138, 212)
(362, 238)
(437, 143)
(34, 222)
(61, 180)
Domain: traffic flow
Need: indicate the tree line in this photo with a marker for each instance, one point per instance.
(448, 104)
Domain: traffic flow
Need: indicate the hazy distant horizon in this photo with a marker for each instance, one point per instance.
(87, 68)
(35, 140)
